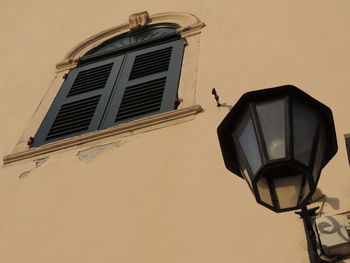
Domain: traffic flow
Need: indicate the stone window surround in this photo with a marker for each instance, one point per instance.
(190, 29)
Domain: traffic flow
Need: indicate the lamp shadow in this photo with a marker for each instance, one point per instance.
(333, 202)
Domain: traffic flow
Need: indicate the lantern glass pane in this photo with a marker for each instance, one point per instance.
(304, 131)
(243, 163)
(264, 191)
(321, 147)
(288, 190)
(246, 177)
(272, 121)
(248, 142)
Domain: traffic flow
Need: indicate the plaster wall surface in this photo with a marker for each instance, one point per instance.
(165, 195)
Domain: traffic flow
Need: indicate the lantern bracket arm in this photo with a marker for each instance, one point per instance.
(308, 218)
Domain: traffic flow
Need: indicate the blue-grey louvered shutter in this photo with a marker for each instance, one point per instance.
(148, 83)
(80, 104)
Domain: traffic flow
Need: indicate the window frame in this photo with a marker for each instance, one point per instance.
(189, 29)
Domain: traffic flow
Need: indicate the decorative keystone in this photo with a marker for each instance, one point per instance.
(138, 20)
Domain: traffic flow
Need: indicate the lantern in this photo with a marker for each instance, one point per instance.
(278, 140)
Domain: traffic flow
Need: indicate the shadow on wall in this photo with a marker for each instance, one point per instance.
(333, 202)
(217, 99)
(322, 198)
(330, 226)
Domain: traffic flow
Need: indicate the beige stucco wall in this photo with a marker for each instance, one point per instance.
(164, 195)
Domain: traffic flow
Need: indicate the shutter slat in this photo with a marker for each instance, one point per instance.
(157, 53)
(151, 84)
(154, 57)
(73, 105)
(141, 103)
(91, 79)
(76, 115)
(141, 96)
(142, 91)
(65, 132)
(74, 122)
(87, 89)
(148, 71)
(68, 122)
(94, 71)
(151, 63)
(134, 103)
(145, 110)
(91, 83)
(92, 74)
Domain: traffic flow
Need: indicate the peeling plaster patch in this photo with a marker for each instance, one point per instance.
(89, 154)
(40, 162)
(24, 174)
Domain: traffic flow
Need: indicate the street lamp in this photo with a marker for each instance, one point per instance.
(278, 140)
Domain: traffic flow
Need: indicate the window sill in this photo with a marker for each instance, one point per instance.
(149, 123)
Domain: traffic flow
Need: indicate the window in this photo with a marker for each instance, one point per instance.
(107, 59)
(125, 78)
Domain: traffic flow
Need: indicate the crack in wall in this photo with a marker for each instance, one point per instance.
(40, 162)
(24, 174)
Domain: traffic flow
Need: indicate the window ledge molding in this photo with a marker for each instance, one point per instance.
(145, 124)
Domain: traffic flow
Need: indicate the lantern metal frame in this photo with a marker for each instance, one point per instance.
(228, 140)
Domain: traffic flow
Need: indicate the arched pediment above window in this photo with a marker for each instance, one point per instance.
(187, 25)
(134, 39)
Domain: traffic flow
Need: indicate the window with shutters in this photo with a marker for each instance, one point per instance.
(130, 77)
